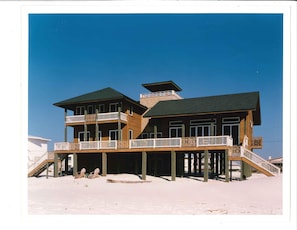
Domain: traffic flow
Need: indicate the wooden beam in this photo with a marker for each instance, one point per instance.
(173, 165)
(104, 164)
(74, 163)
(227, 166)
(205, 165)
(56, 165)
(143, 165)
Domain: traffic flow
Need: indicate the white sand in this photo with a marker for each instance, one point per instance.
(66, 195)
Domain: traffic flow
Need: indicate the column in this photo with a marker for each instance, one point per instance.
(104, 164)
(65, 128)
(74, 163)
(143, 165)
(97, 127)
(227, 165)
(195, 163)
(85, 126)
(155, 131)
(189, 163)
(119, 124)
(205, 165)
(173, 165)
(56, 165)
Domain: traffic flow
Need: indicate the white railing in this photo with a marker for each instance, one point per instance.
(87, 145)
(111, 116)
(214, 141)
(83, 145)
(62, 146)
(76, 118)
(159, 94)
(37, 162)
(259, 161)
(155, 143)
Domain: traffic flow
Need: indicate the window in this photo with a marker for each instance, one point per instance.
(175, 123)
(113, 135)
(131, 110)
(202, 130)
(90, 109)
(145, 135)
(113, 107)
(231, 120)
(159, 135)
(130, 134)
(80, 110)
(175, 132)
(81, 136)
(101, 108)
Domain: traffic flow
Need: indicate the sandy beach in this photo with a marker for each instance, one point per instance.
(258, 195)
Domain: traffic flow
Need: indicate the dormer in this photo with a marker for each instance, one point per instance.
(159, 91)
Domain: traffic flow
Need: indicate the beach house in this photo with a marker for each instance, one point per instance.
(162, 133)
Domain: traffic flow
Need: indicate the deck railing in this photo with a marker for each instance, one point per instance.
(155, 143)
(98, 117)
(147, 143)
(214, 141)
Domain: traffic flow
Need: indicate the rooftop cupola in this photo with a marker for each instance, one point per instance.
(159, 91)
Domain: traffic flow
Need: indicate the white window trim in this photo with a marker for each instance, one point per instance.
(231, 120)
(81, 109)
(79, 133)
(116, 131)
(116, 104)
(175, 123)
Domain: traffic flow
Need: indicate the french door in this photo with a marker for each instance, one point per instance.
(233, 131)
(175, 132)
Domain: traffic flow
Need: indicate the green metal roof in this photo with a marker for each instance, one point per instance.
(212, 104)
(105, 94)
(162, 86)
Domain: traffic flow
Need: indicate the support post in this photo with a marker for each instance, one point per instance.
(65, 128)
(119, 124)
(155, 131)
(74, 163)
(85, 126)
(97, 127)
(47, 170)
(205, 165)
(66, 164)
(195, 163)
(143, 165)
(56, 165)
(173, 165)
(104, 164)
(189, 163)
(227, 165)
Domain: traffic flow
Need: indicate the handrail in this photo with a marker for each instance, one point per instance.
(259, 161)
(45, 156)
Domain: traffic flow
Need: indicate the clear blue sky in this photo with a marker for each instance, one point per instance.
(205, 54)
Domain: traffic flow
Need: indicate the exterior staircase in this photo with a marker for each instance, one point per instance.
(42, 164)
(241, 153)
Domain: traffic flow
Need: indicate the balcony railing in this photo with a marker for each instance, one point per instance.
(147, 143)
(214, 141)
(257, 143)
(94, 118)
(155, 143)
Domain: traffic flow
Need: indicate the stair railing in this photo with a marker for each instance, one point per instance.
(41, 159)
(259, 161)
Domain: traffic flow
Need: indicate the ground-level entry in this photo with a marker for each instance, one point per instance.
(206, 164)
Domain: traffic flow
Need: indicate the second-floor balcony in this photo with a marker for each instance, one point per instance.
(99, 117)
(186, 142)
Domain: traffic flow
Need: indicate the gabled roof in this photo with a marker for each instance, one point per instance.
(105, 94)
(162, 86)
(205, 105)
